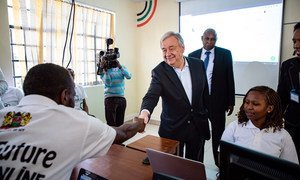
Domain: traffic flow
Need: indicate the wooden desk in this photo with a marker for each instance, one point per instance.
(119, 163)
(157, 143)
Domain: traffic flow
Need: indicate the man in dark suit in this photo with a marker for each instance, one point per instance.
(181, 83)
(220, 80)
(289, 91)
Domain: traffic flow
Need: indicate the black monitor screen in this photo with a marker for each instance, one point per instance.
(237, 162)
(88, 175)
(162, 176)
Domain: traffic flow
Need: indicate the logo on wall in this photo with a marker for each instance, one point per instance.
(147, 13)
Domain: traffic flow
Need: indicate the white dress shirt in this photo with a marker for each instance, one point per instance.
(12, 96)
(185, 77)
(278, 143)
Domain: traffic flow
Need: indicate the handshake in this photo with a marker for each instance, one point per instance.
(139, 122)
(128, 130)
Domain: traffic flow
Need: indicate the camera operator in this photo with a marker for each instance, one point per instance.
(113, 74)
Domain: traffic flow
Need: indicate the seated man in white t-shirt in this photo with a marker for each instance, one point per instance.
(44, 137)
(3, 87)
(80, 97)
(12, 96)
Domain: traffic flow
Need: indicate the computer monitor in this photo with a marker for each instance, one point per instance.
(237, 162)
(170, 167)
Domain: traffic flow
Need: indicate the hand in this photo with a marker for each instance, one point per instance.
(103, 63)
(144, 115)
(140, 123)
(128, 130)
(229, 110)
(118, 64)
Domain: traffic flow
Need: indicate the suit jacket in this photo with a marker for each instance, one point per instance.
(288, 80)
(222, 83)
(180, 120)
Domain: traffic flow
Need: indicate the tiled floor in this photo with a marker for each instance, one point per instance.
(208, 157)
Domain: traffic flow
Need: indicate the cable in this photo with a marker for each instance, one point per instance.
(67, 33)
(72, 30)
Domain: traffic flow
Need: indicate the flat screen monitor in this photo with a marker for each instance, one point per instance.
(237, 162)
(171, 167)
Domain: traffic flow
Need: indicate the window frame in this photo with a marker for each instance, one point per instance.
(84, 58)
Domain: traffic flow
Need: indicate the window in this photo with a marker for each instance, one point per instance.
(39, 33)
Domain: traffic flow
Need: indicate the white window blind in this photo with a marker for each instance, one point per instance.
(39, 33)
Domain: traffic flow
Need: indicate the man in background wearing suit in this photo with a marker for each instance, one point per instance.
(289, 90)
(182, 85)
(220, 80)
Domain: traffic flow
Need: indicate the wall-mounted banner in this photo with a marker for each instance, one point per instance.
(147, 13)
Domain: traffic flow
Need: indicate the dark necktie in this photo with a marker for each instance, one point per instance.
(206, 59)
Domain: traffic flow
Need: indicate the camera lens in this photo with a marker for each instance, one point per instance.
(109, 41)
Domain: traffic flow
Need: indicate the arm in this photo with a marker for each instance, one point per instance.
(124, 71)
(282, 89)
(106, 78)
(230, 110)
(288, 148)
(231, 89)
(128, 130)
(151, 98)
(102, 67)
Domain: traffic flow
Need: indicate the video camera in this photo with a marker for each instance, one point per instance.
(108, 58)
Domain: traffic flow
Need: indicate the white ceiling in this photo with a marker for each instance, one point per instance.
(146, 0)
(138, 0)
